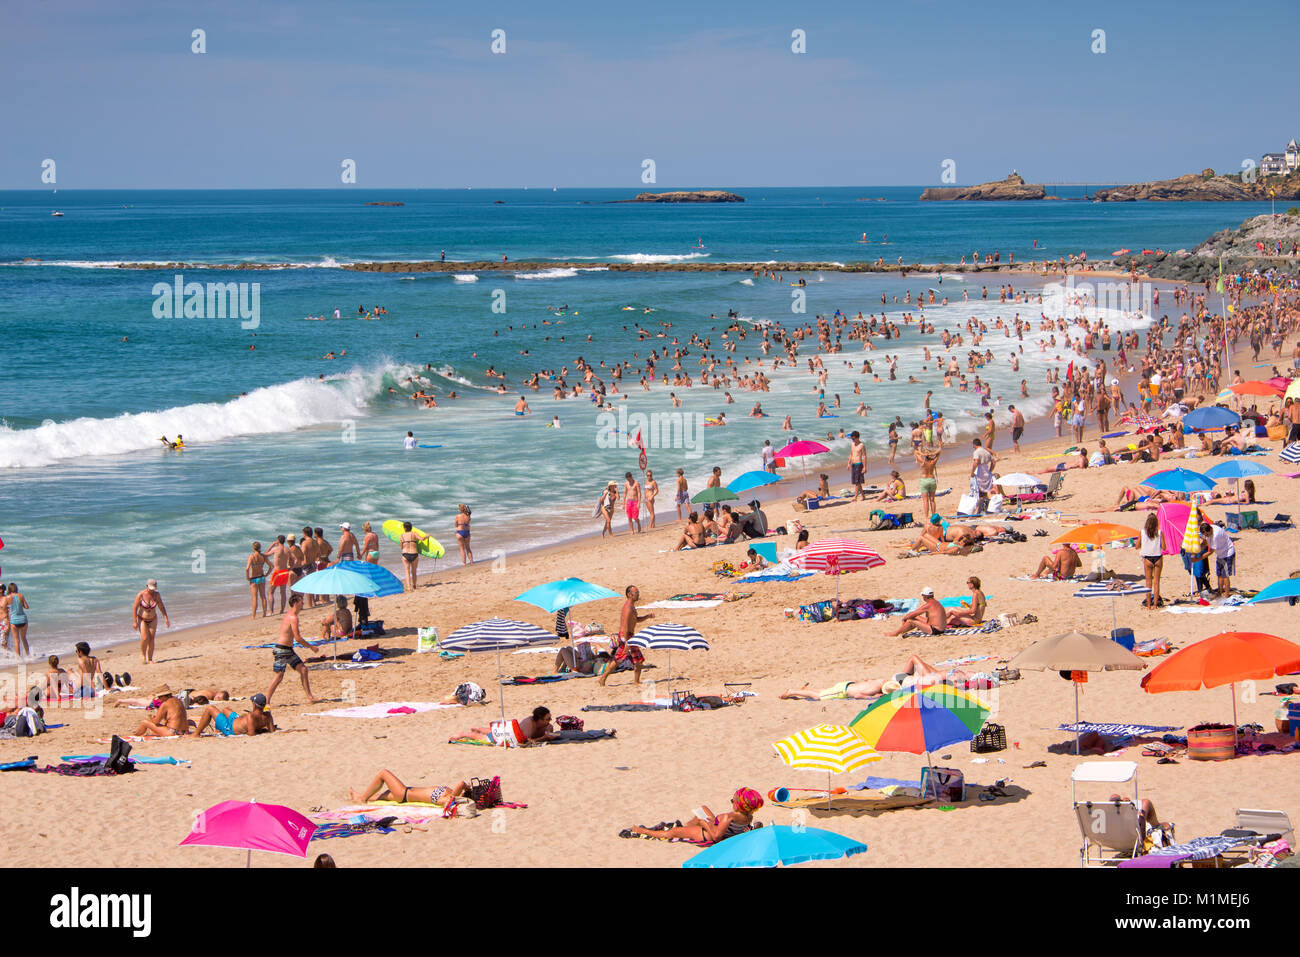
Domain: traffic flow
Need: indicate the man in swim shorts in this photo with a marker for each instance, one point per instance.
(857, 464)
(278, 554)
(628, 619)
(169, 719)
(929, 617)
(683, 495)
(283, 656)
(229, 721)
(632, 501)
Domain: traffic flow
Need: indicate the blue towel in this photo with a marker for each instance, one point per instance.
(84, 758)
(875, 784)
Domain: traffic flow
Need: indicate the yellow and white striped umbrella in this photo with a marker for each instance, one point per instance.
(832, 748)
(1192, 536)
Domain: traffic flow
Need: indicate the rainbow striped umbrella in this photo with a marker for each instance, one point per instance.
(832, 748)
(921, 719)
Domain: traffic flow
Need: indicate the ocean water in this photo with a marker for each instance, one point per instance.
(278, 437)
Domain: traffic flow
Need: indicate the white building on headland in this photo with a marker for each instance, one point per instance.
(1281, 164)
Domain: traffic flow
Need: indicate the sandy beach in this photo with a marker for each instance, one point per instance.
(663, 764)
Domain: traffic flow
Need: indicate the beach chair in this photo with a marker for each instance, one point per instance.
(1270, 825)
(1111, 831)
(1054, 484)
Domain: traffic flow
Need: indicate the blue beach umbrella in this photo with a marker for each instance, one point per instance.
(385, 582)
(1285, 588)
(1179, 480)
(1210, 417)
(743, 483)
(777, 844)
(334, 581)
(564, 593)
(1235, 470)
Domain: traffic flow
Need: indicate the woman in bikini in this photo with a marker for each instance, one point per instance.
(972, 612)
(462, 534)
(255, 572)
(692, 535)
(144, 617)
(605, 507)
(708, 828)
(651, 490)
(370, 545)
(15, 607)
(387, 787)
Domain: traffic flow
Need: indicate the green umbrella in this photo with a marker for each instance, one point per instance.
(719, 494)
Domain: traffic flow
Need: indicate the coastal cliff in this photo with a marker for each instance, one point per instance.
(1206, 186)
(1237, 247)
(687, 196)
(1013, 187)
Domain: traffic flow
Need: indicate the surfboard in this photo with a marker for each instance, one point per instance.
(428, 446)
(828, 416)
(429, 548)
(1113, 435)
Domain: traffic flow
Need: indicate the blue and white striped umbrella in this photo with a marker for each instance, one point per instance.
(670, 638)
(1291, 453)
(1112, 589)
(494, 634)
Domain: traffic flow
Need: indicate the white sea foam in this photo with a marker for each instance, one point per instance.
(464, 277)
(658, 257)
(547, 274)
(286, 407)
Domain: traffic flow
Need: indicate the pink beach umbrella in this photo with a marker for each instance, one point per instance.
(800, 449)
(254, 827)
(835, 556)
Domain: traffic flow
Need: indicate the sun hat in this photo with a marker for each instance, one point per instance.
(890, 686)
(162, 691)
(346, 526)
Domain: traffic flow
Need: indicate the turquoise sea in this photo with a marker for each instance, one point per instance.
(277, 437)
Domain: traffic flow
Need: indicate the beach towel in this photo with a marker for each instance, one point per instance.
(161, 759)
(987, 628)
(1214, 608)
(383, 709)
(347, 829)
(548, 650)
(1115, 729)
(542, 679)
(766, 576)
(637, 706)
(1197, 849)
(853, 805)
(580, 737)
(673, 603)
(874, 783)
(1031, 578)
(1153, 648)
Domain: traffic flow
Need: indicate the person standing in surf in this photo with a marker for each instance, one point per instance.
(682, 496)
(410, 546)
(632, 501)
(144, 616)
(462, 534)
(857, 465)
(255, 573)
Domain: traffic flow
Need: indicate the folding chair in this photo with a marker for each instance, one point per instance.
(1054, 484)
(1114, 830)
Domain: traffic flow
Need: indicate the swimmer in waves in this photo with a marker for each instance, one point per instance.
(720, 420)
(757, 411)
(173, 446)
(521, 407)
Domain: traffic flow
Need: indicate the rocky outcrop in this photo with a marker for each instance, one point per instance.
(687, 196)
(1206, 186)
(386, 204)
(1013, 187)
(1236, 246)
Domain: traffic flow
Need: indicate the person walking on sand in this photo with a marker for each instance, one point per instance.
(927, 457)
(632, 501)
(410, 546)
(15, 607)
(144, 616)
(283, 656)
(279, 557)
(462, 534)
(627, 622)
(255, 573)
(605, 507)
(682, 495)
(651, 492)
(857, 465)
(1017, 427)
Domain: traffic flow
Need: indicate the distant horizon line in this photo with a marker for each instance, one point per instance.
(547, 189)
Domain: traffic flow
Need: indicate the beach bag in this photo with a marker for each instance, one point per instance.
(506, 734)
(946, 784)
(969, 505)
(568, 722)
(426, 639)
(485, 793)
(793, 527)
(469, 693)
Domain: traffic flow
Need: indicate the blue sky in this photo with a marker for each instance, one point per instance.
(710, 91)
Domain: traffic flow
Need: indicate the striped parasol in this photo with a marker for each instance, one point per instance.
(670, 637)
(495, 634)
(1115, 588)
(836, 556)
(1191, 544)
(832, 748)
(1291, 453)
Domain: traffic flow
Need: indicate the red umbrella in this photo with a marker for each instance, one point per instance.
(797, 450)
(835, 556)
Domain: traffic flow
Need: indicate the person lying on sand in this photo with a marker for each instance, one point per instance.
(387, 787)
(169, 719)
(971, 612)
(1060, 564)
(943, 538)
(706, 827)
(227, 719)
(187, 696)
(917, 672)
(467, 692)
(536, 727)
(930, 617)
(1078, 460)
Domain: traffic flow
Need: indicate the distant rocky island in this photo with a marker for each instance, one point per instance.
(1013, 187)
(1206, 186)
(388, 203)
(686, 196)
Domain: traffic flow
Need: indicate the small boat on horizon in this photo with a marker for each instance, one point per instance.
(56, 213)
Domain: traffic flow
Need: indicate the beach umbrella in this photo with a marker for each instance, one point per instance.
(835, 556)
(254, 827)
(1224, 659)
(754, 479)
(832, 748)
(1236, 470)
(1280, 382)
(1191, 543)
(385, 582)
(1210, 417)
(1077, 651)
(494, 634)
(1178, 480)
(1291, 454)
(1285, 588)
(918, 720)
(799, 450)
(1098, 534)
(565, 593)
(338, 580)
(1255, 387)
(717, 494)
(777, 844)
(1115, 588)
(669, 637)
(1019, 480)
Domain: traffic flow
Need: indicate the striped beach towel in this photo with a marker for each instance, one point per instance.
(987, 628)
(1115, 729)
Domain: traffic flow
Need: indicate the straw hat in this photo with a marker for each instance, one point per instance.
(162, 691)
(890, 686)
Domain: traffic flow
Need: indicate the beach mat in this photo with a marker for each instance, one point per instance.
(987, 628)
(1115, 729)
(382, 709)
